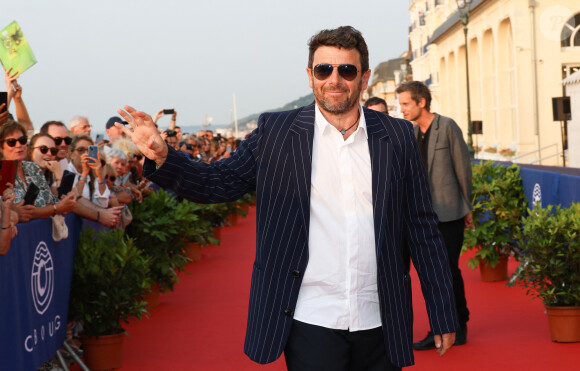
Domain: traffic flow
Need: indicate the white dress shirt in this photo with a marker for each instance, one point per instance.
(339, 288)
(99, 199)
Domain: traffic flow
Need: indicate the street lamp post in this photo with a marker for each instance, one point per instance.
(464, 8)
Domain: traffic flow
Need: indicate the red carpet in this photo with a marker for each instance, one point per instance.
(201, 325)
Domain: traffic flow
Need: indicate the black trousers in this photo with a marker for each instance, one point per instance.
(315, 348)
(453, 236)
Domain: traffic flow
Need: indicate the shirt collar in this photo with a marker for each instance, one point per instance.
(322, 124)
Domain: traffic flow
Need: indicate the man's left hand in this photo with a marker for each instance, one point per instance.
(444, 342)
(468, 221)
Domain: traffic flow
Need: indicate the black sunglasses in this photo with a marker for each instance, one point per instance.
(138, 157)
(346, 71)
(58, 140)
(12, 141)
(44, 150)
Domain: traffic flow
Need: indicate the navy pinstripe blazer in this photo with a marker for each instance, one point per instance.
(275, 161)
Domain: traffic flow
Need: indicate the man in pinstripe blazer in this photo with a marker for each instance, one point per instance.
(338, 187)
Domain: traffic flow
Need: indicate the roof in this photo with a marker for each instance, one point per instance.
(450, 22)
(386, 70)
(572, 79)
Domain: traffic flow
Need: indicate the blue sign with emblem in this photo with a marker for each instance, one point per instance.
(35, 278)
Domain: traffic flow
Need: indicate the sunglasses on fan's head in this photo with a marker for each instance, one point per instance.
(12, 141)
(45, 149)
(324, 70)
(67, 140)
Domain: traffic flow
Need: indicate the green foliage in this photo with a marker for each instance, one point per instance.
(110, 276)
(499, 204)
(215, 214)
(201, 230)
(550, 263)
(239, 206)
(159, 227)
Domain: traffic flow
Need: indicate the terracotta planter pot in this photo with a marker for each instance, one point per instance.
(564, 324)
(232, 219)
(104, 352)
(497, 273)
(193, 251)
(152, 297)
(217, 234)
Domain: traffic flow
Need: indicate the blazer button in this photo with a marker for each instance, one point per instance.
(289, 312)
(296, 273)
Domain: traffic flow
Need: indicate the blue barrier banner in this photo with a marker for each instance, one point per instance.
(548, 185)
(550, 188)
(35, 278)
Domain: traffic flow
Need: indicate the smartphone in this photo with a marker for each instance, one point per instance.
(7, 173)
(99, 138)
(168, 111)
(66, 183)
(31, 194)
(93, 154)
(3, 99)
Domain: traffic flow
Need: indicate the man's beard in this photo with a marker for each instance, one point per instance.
(340, 107)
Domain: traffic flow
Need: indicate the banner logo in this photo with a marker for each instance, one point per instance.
(537, 196)
(42, 281)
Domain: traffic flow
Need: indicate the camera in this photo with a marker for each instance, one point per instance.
(171, 133)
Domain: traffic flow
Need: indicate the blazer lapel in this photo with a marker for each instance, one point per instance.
(434, 133)
(301, 137)
(380, 149)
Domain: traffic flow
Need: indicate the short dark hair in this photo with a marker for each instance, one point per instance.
(345, 37)
(376, 100)
(48, 124)
(418, 90)
(11, 127)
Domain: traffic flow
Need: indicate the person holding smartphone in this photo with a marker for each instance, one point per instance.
(13, 142)
(90, 181)
(167, 111)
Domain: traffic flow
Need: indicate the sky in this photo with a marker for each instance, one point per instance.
(96, 56)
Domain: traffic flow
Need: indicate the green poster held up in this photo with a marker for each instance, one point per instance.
(15, 52)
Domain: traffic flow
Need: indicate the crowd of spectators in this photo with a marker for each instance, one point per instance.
(48, 157)
(202, 146)
(102, 187)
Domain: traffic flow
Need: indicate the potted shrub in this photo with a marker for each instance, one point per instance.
(216, 215)
(499, 204)
(550, 266)
(109, 278)
(196, 230)
(246, 201)
(158, 230)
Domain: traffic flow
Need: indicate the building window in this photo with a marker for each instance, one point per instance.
(571, 33)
